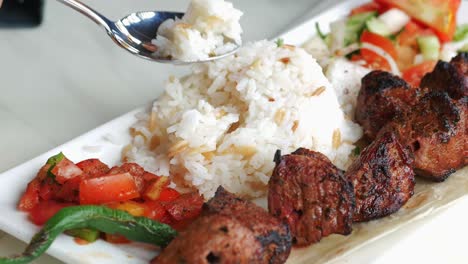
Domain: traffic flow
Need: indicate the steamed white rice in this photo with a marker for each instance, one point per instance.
(222, 124)
(208, 28)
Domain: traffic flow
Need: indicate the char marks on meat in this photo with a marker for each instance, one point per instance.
(311, 195)
(230, 230)
(436, 132)
(382, 97)
(449, 77)
(383, 178)
(273, 235)
(211, 239)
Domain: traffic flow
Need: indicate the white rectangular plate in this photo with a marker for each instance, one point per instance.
(106, 142)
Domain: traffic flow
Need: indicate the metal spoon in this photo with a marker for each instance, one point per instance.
(135, 31)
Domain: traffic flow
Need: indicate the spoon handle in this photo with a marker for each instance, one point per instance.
(89, 12)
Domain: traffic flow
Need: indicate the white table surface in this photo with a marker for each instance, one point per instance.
(66, 77)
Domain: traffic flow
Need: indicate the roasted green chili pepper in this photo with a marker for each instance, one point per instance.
(89, 235)
(100, 218)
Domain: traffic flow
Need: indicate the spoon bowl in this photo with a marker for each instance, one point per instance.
(135, 31)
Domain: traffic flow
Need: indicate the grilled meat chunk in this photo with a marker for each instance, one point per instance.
(274, 236)
(382, 97)
(212, 239)
(449, 77)
(383, 178)
(436, 132)
(461, 63)
(230, 230)
(311, 195)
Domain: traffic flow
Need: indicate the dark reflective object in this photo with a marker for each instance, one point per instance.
(21, 13)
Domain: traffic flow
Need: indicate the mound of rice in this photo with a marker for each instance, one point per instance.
(208, 28)
(222, 124)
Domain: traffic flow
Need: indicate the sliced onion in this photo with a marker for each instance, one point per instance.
(385, 55)
(347, 50)
(395, 19)
(449, 50)
(355, 46)
(337, 34)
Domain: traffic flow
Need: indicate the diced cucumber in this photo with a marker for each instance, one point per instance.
(361, 18)
(344, 32)
(376, 26)
(461, 33)
(429, 46)
(355, 25)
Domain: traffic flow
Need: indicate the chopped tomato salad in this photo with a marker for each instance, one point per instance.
(374, 60)
(108, 188)
(413, 75)
(439, 15)
(404, 37)
(61, 183)
(369, 7)
(411, 32)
